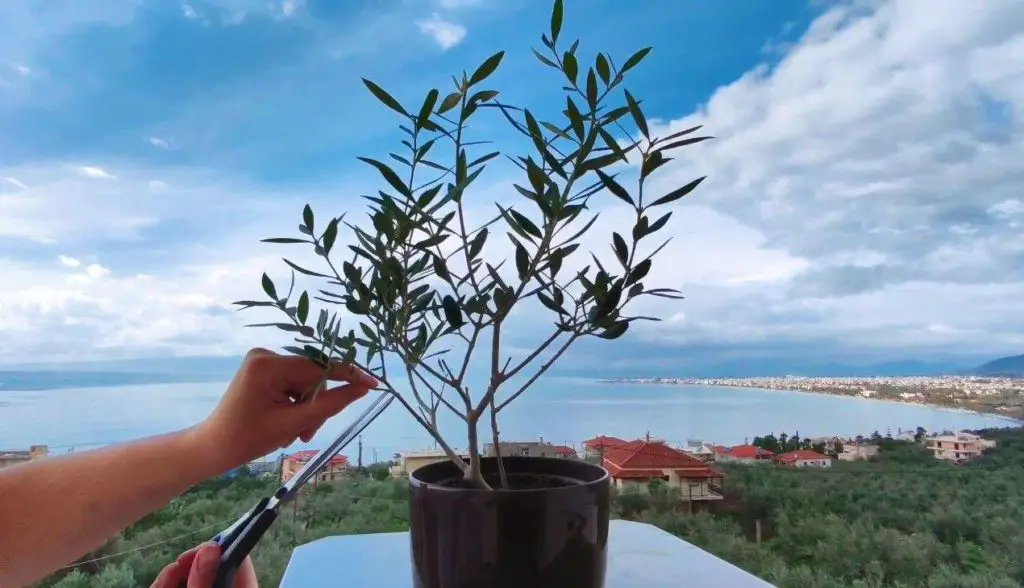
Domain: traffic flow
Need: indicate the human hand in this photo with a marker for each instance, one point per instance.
(197, 567)
(261, 413)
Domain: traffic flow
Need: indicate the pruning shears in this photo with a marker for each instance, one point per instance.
(238, 540)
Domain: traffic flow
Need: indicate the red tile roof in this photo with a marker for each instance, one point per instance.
(565, 451)
(308, 454)
(749, 452)
(603, 441)
(800, 455)
(650, 459)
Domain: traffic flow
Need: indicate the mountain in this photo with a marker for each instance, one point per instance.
(1012, 366)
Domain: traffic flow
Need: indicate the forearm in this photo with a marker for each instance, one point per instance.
(57, 509)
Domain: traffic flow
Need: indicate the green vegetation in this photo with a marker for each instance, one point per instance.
(904, 519)
(900, 521)
(358, 505)
(784, 443)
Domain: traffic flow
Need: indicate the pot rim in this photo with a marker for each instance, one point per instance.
(605, 477)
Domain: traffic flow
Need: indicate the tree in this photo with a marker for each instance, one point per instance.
(421, 294)
(114, 576)
(770, 443)
(76, 579)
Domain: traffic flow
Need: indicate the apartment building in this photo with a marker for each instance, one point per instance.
(958, 447)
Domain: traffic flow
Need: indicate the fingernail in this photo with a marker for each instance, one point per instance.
(208, 558)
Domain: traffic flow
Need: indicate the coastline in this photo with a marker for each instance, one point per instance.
(1019, 421)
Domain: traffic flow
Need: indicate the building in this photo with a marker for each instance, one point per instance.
(744, 454)
(410, 461)
(908, 436)
(566, 451)
(10, 458)
(831, 445)
(529, 449)
(804, 458)
(334, 469)
(853, 451)
(596, 446)
(701, 450)
(959, 447)
(262, 468)
(636, 464)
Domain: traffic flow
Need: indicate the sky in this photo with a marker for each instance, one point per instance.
(864, 200)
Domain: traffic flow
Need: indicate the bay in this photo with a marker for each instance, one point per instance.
(558, 409)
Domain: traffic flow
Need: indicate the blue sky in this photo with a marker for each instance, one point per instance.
(863, 201)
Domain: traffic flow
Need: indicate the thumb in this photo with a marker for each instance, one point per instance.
(204, 567)
(327, 404)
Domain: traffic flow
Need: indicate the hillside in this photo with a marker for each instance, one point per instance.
(1005, 366)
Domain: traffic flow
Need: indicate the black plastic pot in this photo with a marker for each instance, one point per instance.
(548, 530)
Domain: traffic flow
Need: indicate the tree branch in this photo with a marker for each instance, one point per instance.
(539, 373)
(439, 395)
(502, 475)
(454, 457)
(529, 358)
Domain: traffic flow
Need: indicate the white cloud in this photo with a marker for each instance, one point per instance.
(68, 261)
(288, 7)
(162, 269)
(883, 152)
(865, 191)
(21, 69)
(98, 173)
(444, 33)
(189, 12)
(161, 142)
(14, 182)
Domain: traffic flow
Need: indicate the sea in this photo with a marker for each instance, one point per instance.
(562, 410)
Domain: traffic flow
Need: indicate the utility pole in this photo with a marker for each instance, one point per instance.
(374, 455)
(360, 462)
(648, 436)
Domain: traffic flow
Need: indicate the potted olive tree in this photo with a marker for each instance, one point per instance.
(416, 299)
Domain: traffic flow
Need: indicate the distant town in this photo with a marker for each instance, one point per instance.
(992, 395)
